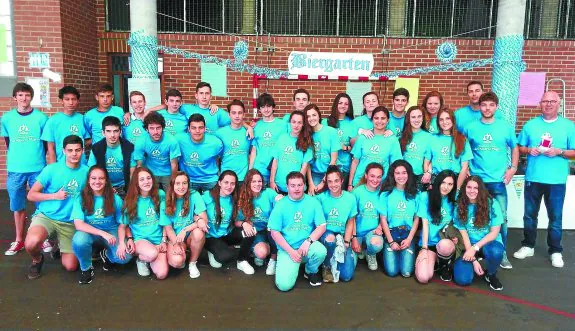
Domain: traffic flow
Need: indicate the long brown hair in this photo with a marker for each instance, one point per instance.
(107, 195)
(333, 118)
(130, 207)
(171, 196)
(407, 133)
(426, 114)
(247, 196)
(482, 204)
(457, 138)
(215, 194)
(304, 140)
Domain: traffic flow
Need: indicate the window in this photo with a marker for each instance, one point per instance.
(7, 50)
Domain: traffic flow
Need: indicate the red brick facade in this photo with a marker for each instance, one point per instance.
(73, 32)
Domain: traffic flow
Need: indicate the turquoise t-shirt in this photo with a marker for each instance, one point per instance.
(345, 131)
(93, 121)
(362, 122)
(114, 164)
(263, 205)
(367, 218)
(236, 150)
(541, 168)
(156, 155)
(466, 115)
(135, 131)
(175, 123)
(289, 159)
(337, 210)
(199, 161)
(98, 219)
(59, 126)
(442, 154)
(178, 220)
(433, 128)
(226, 224)
(265, 137)
(326, 141)
(213, 122)
(396, 124)
(26, 151)
(379, 149)
(476, 234)
(296, 220)
(434, 229)
(489, 142)
(397, 208)
(417, 150)
(148, 224)
(54, 177)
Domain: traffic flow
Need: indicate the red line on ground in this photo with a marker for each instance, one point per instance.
(508, 298)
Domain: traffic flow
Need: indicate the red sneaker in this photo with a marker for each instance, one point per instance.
(15, 247)
(46, 246)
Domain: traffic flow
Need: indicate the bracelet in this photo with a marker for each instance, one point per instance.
(346, 242)
(129, 238)
(392, 242)
(310, 240)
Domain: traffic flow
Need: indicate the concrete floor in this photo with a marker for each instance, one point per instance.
(536, 296)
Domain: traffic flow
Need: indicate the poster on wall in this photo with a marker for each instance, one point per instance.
(531, 88)
(330, 64)
(41, 88)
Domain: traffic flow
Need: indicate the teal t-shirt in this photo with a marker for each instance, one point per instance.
(226, 224)
(175, 123)
(541, 168)
(26, 151)
(147, 225)
(114, 164)
(442, 154)
(236, 150)
(326, 141)
(434, 229)
(289, 159)
(417, 150)
(489, 142)
(367, 218)
(379, 149)
(337, 210)
(345, 131)
(264, 142)
(263, 205)
(59, 126)
(433, 128)
(466, 115)
(396, 124)
(296, 220)
(54, 177)
(98, 219)
(179, 221)
(362, 122)
(476, 234)
(397, 208)
(200, 161)
(93, 121)
(213, 122)
(156, 155)
(135, 131)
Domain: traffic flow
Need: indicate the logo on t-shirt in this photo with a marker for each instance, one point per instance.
(297, 217)
(257, 212)
(333, 213)
(169, 124)
(181, 213)
(74, 129)
(23, 129)
(443, 212)
(317, 146)
(487, 138)
(374, 149)
(72, 186)
(368, 205)
(288, 150)
(99, 213)
(223, 213)
(401, 206)
(445, 151)
(412, 147)
(397, 132)
(150, 211)
(235, 143)
(340, 132)
(136, 132)
(267, 135)
(194, 156)
(156, 152)
(111, 162)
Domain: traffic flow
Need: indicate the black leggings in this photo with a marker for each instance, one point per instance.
(222, 251)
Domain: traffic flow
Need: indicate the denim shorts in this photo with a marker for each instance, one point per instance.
(399, 233)
(16, 187)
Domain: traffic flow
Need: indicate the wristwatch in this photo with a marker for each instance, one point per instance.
(475, 247)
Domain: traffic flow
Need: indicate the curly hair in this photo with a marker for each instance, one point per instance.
(130, 207)
(215, 194)
(483, 210)
(435, 197)
(171, 196)
(246, 196)
(108, 194)
(333, 118)
(457, 138)
(389, 182)
(407, 133)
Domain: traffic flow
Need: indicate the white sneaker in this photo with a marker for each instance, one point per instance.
(361, 255)
(557, 260)
(213, 262)
(371, 262)
(193, 269)
(524, 252)
(271, 269)
(143, 269)
(505, 264)
(46, 246)
(245, 267)
(258, 262)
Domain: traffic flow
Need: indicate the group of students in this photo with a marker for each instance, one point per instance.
(422, 188)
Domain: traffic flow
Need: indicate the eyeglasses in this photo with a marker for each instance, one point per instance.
(551, 102)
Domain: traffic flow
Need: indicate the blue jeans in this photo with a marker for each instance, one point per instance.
(463, 270)
(371, 249)
(287, 270)
(347, 268)
(201, 187)
(317, 177)
(82, 243)
(499, 193)
(554, 196)
(402, 261)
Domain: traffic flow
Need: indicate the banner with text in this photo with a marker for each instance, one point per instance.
(330, 64)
